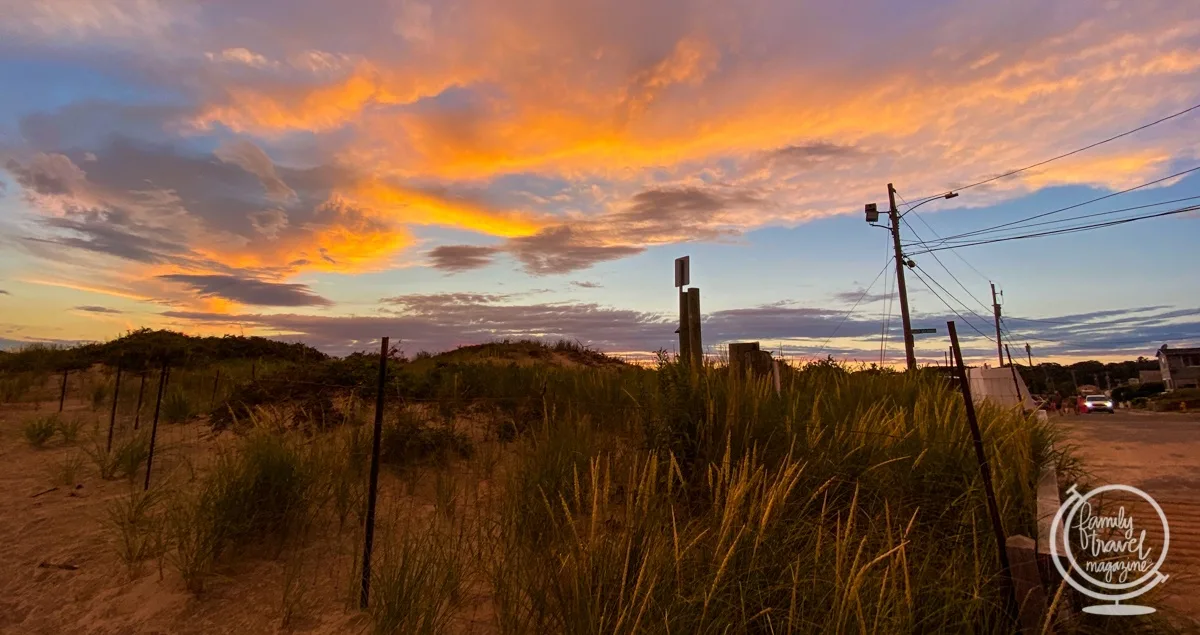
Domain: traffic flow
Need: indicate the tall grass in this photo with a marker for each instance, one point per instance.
(851, 503)
(417, 581)
(256, 495)
(137, 523)
(40, 430)
(126, 458)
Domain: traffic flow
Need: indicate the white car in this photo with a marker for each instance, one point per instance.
(1093, 403)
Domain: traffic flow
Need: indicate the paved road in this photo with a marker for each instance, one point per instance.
(1158, 453)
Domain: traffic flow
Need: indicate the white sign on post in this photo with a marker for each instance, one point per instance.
(682, 272)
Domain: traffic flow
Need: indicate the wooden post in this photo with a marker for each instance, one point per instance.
(685, 342)
(162, 381)
(740, 360)
(1027, 583)
(62, 395)
(1016, 383)
(1048, 502)
(112, 417)
(373, 485)
(695, 341)
(985, 471)
(137, 412)
(775, 370)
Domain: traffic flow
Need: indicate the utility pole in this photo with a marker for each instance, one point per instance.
(894, 216)
(996, 314)
(1029, 354)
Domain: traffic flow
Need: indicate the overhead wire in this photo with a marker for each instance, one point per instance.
(993, 228)
(852, 308)
(948, 305)
(1065, 230)
(1074, 152)
(947, 269)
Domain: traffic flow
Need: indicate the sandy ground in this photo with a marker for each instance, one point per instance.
(1158, 453)
(60, 572)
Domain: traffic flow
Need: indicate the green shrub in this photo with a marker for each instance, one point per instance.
(100, 393)
(69, 430)
(65, 473)
(407, 438)
(128, 455)
(177, 407)
(39, 431)
(259, 494)
(138, 526)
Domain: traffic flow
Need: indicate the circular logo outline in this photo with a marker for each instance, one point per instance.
(1073, 503)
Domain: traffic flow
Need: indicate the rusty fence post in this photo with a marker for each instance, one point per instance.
(62, 394)
(162, 381)
(373, 485)
(112, 417)
(985, 471)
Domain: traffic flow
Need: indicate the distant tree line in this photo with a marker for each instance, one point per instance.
(147, 348)
(1049, 378)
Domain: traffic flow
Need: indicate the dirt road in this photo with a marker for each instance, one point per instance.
(1158, 453)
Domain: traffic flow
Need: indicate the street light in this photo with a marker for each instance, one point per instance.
(947, 195)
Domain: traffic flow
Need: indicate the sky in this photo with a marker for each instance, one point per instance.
(452, 172)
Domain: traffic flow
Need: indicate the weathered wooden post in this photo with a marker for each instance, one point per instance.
(775, 371)
(682, 279)
(1027, 583)
(685, 356)
(740, 353)
(695, 341)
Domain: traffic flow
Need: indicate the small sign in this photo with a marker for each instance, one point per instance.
(923, 331)
(682, 271)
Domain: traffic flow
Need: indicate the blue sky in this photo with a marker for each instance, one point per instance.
(447, 173)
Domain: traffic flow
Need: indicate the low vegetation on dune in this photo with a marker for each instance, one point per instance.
(591, 496)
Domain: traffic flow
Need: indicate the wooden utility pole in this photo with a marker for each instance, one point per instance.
(996, 314)
(894, 217)
(1029, 354)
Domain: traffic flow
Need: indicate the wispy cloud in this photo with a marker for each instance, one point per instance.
(88, 308)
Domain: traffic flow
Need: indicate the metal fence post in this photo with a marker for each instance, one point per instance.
(62, 395)
(985, 471)
(112, 417)
(137, 412)
(162, 381)
(373, 487)
(212, 402)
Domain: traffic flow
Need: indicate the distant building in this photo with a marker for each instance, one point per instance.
(1149, 376)
(1180, 367)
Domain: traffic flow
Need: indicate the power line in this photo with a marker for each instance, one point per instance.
(959, 256)
(1065, 230)
(948, 306)
(1070, 207)
(953, 297)
(947, 269)
(1077, 151)
(856, 303)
